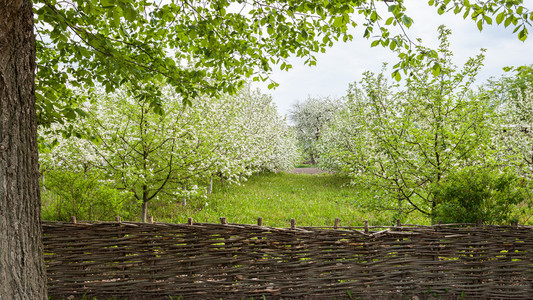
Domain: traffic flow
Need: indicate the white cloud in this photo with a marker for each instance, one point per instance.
(345, 62)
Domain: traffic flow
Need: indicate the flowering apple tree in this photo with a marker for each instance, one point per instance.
(309, 118)
(171, 153)
(402, 141)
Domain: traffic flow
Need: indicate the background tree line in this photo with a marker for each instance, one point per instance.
(124, 155)
(434, 143)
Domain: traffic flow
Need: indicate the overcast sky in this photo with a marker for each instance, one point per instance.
(345, 62)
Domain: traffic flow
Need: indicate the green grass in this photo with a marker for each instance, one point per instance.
(306, 166)
(312, 200)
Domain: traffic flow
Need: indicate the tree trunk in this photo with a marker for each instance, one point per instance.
(144, 207)
(144, 211)
(22, 272)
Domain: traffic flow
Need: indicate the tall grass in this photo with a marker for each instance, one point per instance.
(313, 200)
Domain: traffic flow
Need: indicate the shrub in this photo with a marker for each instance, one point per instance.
(475, 194)
(82, 194)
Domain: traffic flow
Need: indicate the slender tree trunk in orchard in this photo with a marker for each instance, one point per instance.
(22, 272)
(144, 208)
(144, 212)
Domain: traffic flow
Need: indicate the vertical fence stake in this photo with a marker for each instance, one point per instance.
(73, 219)
(336, 224)
(259, 221)
(293, 224)
(223, 221)
(366, 226)
(151, 219)
(189, 221)
(398, 223)
(117, 219)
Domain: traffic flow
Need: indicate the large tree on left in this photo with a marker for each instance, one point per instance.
(22, 273)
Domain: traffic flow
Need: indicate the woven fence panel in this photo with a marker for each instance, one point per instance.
(204, 261)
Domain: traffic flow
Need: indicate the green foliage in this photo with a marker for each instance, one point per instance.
(309, 118)
(167, 155)
(508, 89)
(513, 101)
(399, 143)
(476, 194)
(85, 195)
(205, 47)
(510, 13)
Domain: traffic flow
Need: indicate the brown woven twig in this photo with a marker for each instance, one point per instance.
(233, 261)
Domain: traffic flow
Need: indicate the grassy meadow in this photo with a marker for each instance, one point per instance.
(313, 200)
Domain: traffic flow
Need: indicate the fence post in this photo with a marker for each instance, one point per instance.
(151, 219)
(189, 221)
(366, 226)
(73, 219)
(122, 250)
(223, 221)
(293, 224)
(336, 224)
(259, 221)
(398, 223)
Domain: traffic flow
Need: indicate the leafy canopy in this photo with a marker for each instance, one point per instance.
(207, 47)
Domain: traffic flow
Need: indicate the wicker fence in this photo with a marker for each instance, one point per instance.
(229, 261)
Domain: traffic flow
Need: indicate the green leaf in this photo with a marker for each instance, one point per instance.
(396, 75)
(130, 14)
(304, 34)
(116, 16)
(487, 19)
(467, 12)
(86, 53)
(373, 16)
(508, 21)
(107, 3)
(407, 21)
(436, 69)
(500, 17)
(480, 25)
(522, 35)
(374, 43)
(70, 114)
(81, 112)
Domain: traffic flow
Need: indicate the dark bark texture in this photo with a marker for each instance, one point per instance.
(22, 272)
